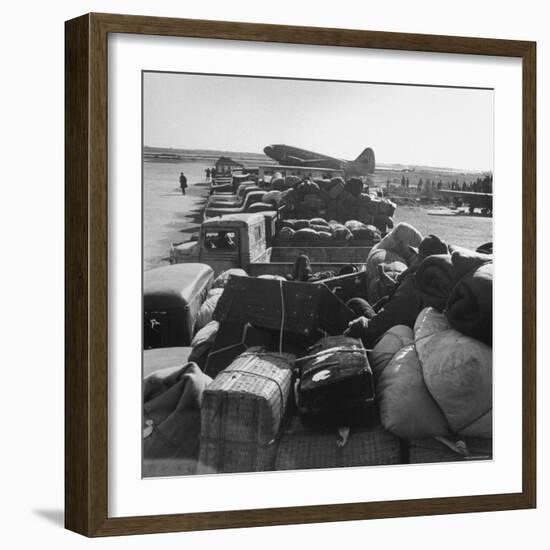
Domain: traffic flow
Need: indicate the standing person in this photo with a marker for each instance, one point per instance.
(207, 171)
(183, 183)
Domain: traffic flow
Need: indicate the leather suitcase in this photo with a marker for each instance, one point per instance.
(336, 385)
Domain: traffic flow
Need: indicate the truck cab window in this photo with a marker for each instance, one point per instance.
(224, 240)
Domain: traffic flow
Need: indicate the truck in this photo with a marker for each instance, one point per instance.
(233, 199)
(172, 297)
(228, 184)
(218, 209)
(242, 241)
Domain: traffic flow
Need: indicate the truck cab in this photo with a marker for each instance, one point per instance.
(226, 242)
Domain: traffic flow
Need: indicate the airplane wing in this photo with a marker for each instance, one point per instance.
(475, 200)
(301, 160)
(465, 194)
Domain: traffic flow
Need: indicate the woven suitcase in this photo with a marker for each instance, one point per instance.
(242, 413)
(423, 451)
(301, 448)
(336, 383)
(232, 339)
(296, 308)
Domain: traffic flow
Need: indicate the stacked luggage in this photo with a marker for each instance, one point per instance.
(274, 379)
(242, 413)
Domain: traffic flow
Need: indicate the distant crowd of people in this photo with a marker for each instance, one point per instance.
(210, 173)
(480, 185)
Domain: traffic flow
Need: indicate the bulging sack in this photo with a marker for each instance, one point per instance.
(278, 183)
(301, 224)
(286, 234)
(203, 342)
(306, 235)
(469, 307)
(406, 407)
(340, 232)
(458, 373)
(204, 316)
(389, 344)
(354, 186)
(171, 420)
(324, 235)
(314, 201)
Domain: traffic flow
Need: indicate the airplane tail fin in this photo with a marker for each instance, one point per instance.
(367, 158)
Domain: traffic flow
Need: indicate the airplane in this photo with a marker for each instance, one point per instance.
(483, 201)
(287, 155)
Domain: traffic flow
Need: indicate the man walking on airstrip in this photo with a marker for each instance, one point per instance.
(183, 183)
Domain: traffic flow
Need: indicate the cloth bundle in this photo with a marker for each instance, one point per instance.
(172, 400)
(470, 303)
(441, 383)
(435, 278)
(459, 284)
(393, 251)
(402, 309)
(203, 342)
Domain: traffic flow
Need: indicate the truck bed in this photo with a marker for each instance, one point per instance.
(280, 260)
(283, 243)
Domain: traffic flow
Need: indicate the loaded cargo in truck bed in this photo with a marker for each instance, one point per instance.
(242, 241)
(280, 260)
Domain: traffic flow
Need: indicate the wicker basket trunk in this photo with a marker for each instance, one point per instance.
(301, 449)
(242, 413)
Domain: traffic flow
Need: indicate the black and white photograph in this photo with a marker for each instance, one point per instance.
(317, 285)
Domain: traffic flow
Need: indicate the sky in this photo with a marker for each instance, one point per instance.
(445, 127)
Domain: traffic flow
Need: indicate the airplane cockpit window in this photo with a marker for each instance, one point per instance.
(224, 240)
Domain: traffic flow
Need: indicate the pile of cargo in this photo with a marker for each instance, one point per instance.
(286, 375)
(334, 199)
(331, 232)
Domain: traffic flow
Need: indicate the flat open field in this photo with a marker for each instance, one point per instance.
(169, 216)
(467, 231)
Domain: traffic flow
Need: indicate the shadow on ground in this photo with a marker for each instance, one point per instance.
(57, 517)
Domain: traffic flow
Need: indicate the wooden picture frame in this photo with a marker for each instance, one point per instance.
(86, 282)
